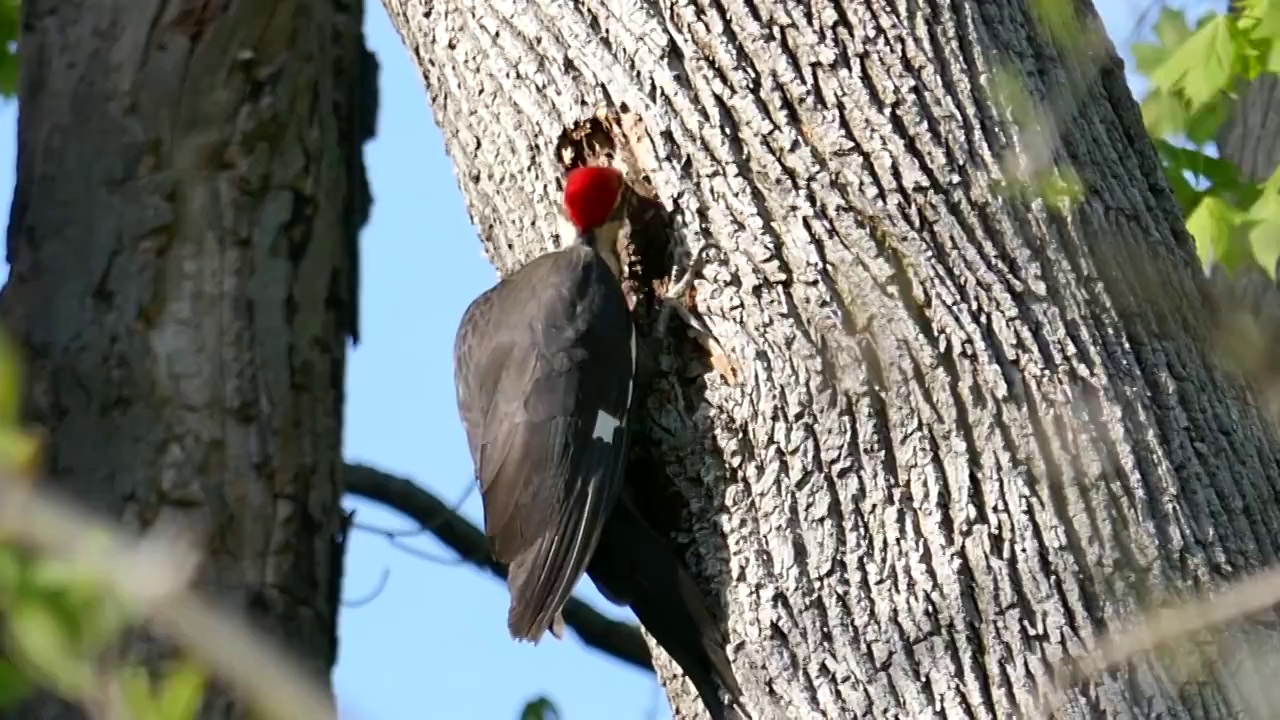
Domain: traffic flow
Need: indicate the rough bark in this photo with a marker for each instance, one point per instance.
(972, 430)
(189, 183)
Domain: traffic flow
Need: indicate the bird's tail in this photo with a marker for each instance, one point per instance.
(633, 566)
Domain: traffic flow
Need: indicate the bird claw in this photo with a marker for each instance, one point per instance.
(671, 298)
(695, 265)
(671, 301)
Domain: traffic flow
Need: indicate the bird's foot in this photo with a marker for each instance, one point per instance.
(672, 301)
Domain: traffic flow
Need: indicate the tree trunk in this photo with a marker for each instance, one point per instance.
(1250, 138)
(182, 239)
(971, 430)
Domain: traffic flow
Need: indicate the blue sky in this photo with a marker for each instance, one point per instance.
(433, 644)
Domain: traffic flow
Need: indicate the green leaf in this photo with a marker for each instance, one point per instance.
(1164, 114)
(9, 13)
(1193, 75)
(20, 451)
(1223, 176)
(1215, 226)
(14, 686)
(99, 616)
(55, 574)
(1202, 126)
(135, 686)
(1171, 28)
(12, 572)
(1261, 19)
(43, 642)
(1264, 242)
(1186, 195)
(8, 74)
(1148, 56)
(1271, 63)
(10, 382)
(1214, 169)
(540, 709)
(1202, 66)
(1263, 231)
(181, 692)
(1272, 184)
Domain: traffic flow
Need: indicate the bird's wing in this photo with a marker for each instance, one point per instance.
(473, 369)
(552, 440)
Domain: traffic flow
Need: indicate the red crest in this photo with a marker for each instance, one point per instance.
(590, 194)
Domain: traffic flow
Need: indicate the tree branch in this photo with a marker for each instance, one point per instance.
(621, 640)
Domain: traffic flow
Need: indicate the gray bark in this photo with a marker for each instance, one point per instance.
(1251, 135)
(972, 431)
(182, 238)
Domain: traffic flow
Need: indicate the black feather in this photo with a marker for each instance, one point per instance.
(634, 566)
(537, 359)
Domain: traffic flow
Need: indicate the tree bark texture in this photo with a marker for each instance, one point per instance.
(182, 239)
(971, 431)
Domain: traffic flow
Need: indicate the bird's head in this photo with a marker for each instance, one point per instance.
(595, 204)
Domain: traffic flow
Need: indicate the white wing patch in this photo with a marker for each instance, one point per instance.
(606, 424)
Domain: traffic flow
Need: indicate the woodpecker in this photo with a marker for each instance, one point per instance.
(545, 364)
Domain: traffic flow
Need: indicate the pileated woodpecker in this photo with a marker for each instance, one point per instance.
(544, 364)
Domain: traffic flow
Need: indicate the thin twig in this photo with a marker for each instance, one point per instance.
(620, 640)
(373, 594)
